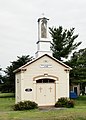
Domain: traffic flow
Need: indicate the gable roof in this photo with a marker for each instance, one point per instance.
(58, 61)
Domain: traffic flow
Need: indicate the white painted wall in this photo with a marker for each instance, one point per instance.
(18, 87)
(42, 67)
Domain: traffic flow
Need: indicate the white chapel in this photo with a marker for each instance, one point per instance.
(45, 79)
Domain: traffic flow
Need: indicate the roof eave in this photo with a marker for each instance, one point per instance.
(22, 67)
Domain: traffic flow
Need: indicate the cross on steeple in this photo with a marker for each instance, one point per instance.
(43, 14)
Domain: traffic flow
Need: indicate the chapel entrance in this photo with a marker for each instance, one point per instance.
(45, 92)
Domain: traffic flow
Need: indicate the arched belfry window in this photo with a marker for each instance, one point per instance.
(44, 28)
(46, 80)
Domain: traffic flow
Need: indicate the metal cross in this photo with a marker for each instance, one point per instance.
(43, 14)
(50, 89)
(40, 89)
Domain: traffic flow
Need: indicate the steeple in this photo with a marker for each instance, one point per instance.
(43, 43)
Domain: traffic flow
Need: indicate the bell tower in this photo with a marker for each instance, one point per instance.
(43, 43)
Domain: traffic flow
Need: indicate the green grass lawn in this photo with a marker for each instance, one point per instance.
(76, 113)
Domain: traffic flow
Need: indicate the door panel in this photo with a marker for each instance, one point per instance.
(45, 93)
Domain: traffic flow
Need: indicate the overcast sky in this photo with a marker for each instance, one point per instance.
(18, 24)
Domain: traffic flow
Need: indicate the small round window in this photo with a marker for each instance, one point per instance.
(28, 89)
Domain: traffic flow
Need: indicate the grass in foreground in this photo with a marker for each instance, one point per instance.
(76, 113)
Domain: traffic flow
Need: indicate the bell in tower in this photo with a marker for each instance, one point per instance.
(43, 43)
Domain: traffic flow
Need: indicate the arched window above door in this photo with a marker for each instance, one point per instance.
(46, 80)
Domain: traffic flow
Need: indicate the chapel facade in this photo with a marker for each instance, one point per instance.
(45, 79)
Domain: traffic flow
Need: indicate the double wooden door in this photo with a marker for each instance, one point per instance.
(45, 94)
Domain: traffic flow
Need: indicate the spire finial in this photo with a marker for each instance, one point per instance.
(43, 14)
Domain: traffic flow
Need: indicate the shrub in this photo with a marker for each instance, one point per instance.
(26, 105)
(70, 104)
(64, 102)
(58, 104)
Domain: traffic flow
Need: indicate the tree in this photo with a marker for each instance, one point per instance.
(9, 79)
(1, 80)
(21, 61)
(78, 63)
(63, 42)
(0, 76)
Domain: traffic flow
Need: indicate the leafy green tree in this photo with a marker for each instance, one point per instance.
(9, 79)
(78, 63)
(63, 42)
(0, 75)
(1, 80)
(21, 61)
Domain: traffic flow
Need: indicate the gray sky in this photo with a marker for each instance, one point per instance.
(18, 24)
